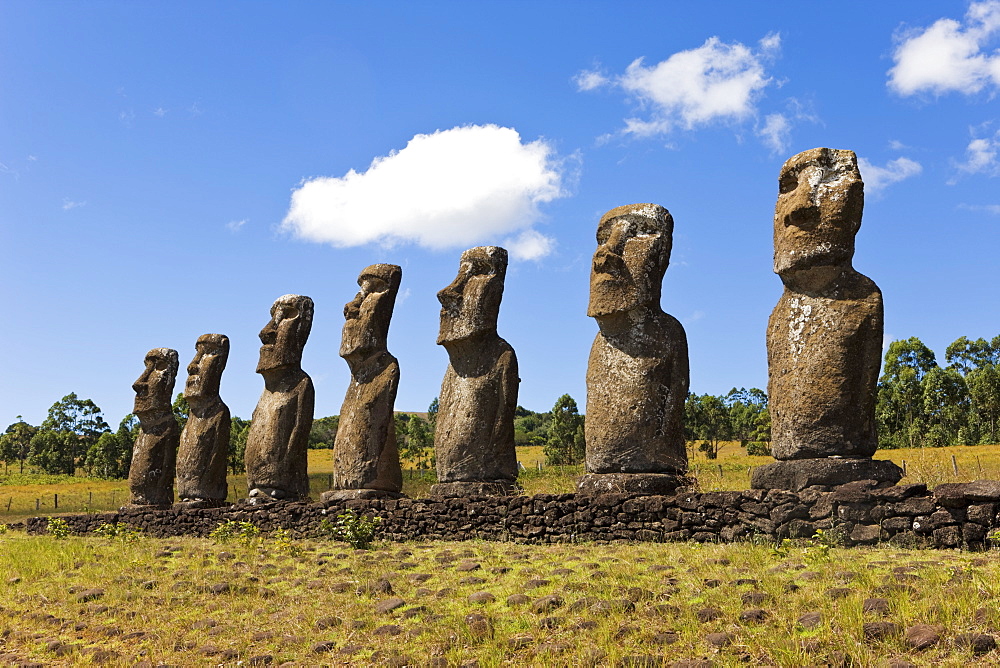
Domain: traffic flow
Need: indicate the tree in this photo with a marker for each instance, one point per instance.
(324, 432)
(111, 456)
(239, 429)
(563, 445)
(15, 443)
(432, 416)
(745, 407)
(946, 403)
(73, 425)
(418, 443)
(899, 410)
(181, 409)
(709, 417)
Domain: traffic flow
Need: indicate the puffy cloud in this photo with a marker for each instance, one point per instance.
(950, 55)
(993, 209)
(236, 225)
(981, 156)
(716, 81)
(776, 132)
(69, 204)
(876, 178)
(452, 188)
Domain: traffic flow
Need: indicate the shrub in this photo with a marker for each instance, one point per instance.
(758, 449)
(58, 528)
(122, 532)
(357, 530)
(283, 541)
(231, 530)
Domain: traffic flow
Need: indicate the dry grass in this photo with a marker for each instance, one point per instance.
(610, 603)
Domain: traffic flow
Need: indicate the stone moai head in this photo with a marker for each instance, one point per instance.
(471, 304)
(205, 370)
(367, 316)
(285, 335)
(155, 387)
(633, 251)
(820, 201)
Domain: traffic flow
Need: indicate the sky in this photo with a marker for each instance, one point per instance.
(169, 169)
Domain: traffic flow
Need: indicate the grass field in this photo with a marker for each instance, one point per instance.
(29, 495)
(190, 601)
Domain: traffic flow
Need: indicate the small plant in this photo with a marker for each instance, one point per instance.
(819, 546)
(3, 528)
(357, 530)
(122, 532)
(57, 528)
(231, 530)
(781, 550)
(994, 538)
(283, 541)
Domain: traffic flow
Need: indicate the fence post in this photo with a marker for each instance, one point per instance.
(37, 503)
(954, 464)
(8, 503)
(55, 500)
(904, 467)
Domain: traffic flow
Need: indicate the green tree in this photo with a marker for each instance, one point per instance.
(324, 432)
(979, 363)
(72, 424)
(432, 416)
(946, 404)
(710, 422)
(899, 411)
(181, 409)
(239, 429)
(54, 451)
(745, 407)
(15, 443)
(111, 456)
(418, 443)
(563, 445)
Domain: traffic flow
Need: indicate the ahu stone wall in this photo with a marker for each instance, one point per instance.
(957, 515)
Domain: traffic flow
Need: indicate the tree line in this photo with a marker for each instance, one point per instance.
(920, 403)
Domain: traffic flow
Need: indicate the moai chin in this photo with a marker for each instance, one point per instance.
(203, 455)
(151, 474)
(637, 375)
(279, 430)
(824, 337)
(474, 436)
(365, 455)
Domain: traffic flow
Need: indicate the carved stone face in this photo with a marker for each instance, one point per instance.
(367, 316)
(633, 251)
(285, 335)
(205, 370)
(471, 304)
(154, 387)
(820, 201)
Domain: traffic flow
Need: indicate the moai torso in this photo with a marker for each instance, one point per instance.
(637, 375)
(474, 435)
(151, 474)
(203, 455)
(824, 337)
(365, 454)
(279, 431)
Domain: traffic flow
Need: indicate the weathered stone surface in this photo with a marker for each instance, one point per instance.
(474, 436)
(824, 337)
(204, 448)
(637, 375)
(957, 494)
(798, 474)
(279, 432)
(154, 455)
(631, 483)
(365, 454)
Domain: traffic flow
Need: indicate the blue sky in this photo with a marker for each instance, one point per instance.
(169, 169)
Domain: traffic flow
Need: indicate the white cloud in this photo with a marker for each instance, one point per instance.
(236, 225)
(590, 79)
(716, 81)
(876, 178)
(160, 112)
(449, 189)
(69, 204)
(896, 145)
(993, 209)
(950, 55)
(776, 132)
(981, 156)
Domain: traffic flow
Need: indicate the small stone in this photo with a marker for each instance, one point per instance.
(754, 598)
(839, 592)
(546, 603)
(261, 660)
(519, 642)
(324, 647)
(90, 595)
(753, 615)
(481, 597)
(471, 581)
(875, 605)
(880, 630)
(517, 599)
(468, 566)
(665, 638)
(550, 622)
(708, 614)
(327, 622)
(900, 663)
(922, 636)
(977, 643)
(810, 620)
(534, 584)
(719, 639)
(388, 630)
(388, 605)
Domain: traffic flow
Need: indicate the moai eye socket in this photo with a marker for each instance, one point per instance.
(161, 364)
(289, 312)
(787, 183)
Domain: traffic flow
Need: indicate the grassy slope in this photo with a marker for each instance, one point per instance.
(617, 601)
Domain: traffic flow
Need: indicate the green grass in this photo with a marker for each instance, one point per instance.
(285, 596)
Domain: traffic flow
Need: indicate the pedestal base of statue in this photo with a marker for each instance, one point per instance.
(471, 489)
(145, 506)
(639, 484)
(352, 494)
(260, 496)
(195, 504)
(797, 474)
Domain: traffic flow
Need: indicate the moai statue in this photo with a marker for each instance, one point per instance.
(637, 375)
(824, 338)
(365, 456)
(474, 436)
(151, 475)
(203, 455)
(279, 430)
